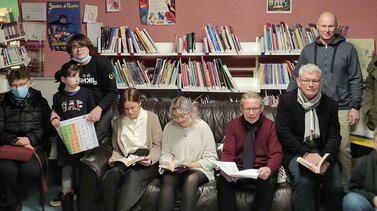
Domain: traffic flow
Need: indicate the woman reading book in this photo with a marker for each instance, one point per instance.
(136, 134)
(186, 140)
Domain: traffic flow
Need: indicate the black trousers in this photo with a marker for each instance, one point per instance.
(264, 192)
(15, 177)
(122, 186)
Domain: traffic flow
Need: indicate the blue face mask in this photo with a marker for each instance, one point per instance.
(21, 91)
(82, 60)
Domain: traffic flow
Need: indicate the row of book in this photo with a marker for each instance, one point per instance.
(282, 38)
(210, 75)
(124, 39)
(276, 74)
(220, 39)
(11, 30)
(200, 75)
(130, 73)
(185, 43)
(12, 55)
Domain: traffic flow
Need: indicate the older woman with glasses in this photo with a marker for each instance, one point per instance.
(24, 122)
(137, 147)
(186, 139)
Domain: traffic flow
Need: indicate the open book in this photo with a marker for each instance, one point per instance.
(130, 160)
(314, 168)
(175, 165)
(230, 168)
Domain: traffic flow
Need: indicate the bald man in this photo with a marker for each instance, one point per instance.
(342, 81)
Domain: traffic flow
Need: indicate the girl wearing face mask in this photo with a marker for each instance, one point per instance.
(186, 139)
(96, 74)
(24, 122)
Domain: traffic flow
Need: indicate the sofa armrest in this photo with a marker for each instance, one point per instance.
(97, 159)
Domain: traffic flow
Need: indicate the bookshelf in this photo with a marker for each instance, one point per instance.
(12, 54)
(247, 81)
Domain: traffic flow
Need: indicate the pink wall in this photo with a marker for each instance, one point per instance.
(246, 16)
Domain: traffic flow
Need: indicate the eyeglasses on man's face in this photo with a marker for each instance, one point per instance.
(15, 86)
(247, 110)
(308, 81)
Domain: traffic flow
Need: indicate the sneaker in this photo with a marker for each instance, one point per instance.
(57, 201)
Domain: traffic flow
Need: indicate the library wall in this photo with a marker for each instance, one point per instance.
(246, 16)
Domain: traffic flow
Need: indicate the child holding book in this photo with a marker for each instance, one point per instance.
(70, 102)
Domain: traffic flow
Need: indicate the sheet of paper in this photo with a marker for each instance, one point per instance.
(90, 14)
(93, 31)
(33, 11)
(78, 134)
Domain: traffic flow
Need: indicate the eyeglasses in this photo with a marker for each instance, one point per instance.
(247, 110)
(306, 81)
(15, 86)
(77, 47)
(180, 116)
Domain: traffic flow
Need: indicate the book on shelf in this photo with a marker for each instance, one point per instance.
(280, 37)
(231, 169)
(314, 168)
(176, 165)
(130, 160)
(220, 39)
(124, 39)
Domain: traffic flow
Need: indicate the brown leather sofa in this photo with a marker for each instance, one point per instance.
(216, 114)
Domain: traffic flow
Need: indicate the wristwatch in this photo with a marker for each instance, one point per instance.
(357, 107)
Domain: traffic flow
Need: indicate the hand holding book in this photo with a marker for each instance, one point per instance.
(311, 162)
(177, 165)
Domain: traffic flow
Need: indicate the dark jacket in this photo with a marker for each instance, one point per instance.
(290, 127)
(341, 72)
(30, 117)
(359, 179)
(370, 94)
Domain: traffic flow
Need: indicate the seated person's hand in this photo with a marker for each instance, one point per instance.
(29, 146)
(325, 165)
(264, 172)
(22, 141)
(111, 161)
(146, 162)
(312, 158)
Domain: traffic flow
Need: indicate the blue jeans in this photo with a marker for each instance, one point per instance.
(306, 187)
(356, 202)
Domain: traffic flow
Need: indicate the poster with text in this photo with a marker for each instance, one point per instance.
(157, 12)
(64, 22)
